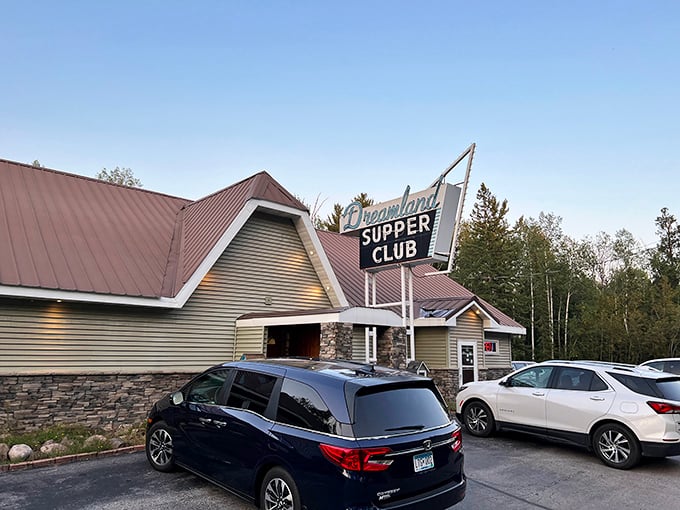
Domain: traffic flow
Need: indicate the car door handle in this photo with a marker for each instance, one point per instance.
(538, 394)
(597, 399)
(205, 420)
(219, 424)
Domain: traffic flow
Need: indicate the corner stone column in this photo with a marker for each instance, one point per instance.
(392, 348)
(336, 340)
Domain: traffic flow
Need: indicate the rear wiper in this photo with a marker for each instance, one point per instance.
(406, 427)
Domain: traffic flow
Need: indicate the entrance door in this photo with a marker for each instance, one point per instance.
(467, 362)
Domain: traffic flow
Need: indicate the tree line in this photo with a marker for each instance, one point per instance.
(605, 298)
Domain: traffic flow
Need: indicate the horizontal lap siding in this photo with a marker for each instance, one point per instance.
(249, 340)
(265, 259)
(502, 359)
(431, 346)
(359, 343)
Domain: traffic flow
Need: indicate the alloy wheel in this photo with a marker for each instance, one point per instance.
(160, 447)
(476, 419)
(277, 495)
(614, 446)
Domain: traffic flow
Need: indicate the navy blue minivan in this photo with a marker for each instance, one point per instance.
(313, 434)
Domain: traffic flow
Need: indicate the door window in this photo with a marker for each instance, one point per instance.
(535, 377)
(206, 389)
(251, 390)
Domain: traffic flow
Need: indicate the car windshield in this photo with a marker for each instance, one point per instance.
(395, 411)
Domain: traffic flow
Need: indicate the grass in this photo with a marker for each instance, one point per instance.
(73, 437)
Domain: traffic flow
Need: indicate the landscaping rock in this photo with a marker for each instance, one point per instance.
(67, 442)
(117, 442)
(20, 453)
(96, 440)
(4, 450)
(51, 448)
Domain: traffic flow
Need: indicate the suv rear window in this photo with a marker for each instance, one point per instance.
(397, 411)
(668, 388)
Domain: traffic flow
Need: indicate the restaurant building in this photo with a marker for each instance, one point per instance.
(111, 296)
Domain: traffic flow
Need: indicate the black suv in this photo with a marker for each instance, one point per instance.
(315, 434)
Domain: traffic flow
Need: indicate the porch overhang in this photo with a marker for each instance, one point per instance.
(355, 315)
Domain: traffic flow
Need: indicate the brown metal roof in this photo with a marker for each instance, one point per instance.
(62, 231)
(436, 292)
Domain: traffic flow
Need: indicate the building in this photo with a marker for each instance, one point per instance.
(110, 296)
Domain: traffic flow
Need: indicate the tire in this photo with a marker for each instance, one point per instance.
(279, 491)
(159, 449)
(478, 419)
(616, 446)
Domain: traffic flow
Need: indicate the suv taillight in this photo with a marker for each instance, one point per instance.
(457, 441)
(356, 459)
(663, 408)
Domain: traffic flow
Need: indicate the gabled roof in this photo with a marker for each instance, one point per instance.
(434, 292)
(74, 234)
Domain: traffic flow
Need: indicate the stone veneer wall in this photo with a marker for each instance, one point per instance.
(392, 348)
(336, 340)
(29, 402)
(446, 380)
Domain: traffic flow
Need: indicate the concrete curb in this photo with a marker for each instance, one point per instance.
(68, 459)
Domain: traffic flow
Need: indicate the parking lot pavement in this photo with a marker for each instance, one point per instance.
(511, 472)
(517, 471)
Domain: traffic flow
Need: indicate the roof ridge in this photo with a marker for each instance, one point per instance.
(218, 192)
(92, 179)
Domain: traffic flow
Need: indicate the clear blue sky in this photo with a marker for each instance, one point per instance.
(574, 105)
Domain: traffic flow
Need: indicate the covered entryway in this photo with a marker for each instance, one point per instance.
(297, 340)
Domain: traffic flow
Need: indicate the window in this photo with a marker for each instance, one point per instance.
(205, 390)
(301, 406)
(251, 391)
(397, 411)
(536, 377)
(490, 346)
(579, 379)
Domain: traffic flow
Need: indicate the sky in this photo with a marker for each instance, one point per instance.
(574, 106)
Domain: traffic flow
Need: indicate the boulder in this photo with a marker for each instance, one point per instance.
(4, 450)
(19, 453)
(97, 441)
(117, 442)
(51, 448)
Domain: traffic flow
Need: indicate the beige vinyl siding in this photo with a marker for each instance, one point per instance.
(359, 343)
(469, 327)
(250, 340)
(431, 346)
(266, 259)
(502, 359)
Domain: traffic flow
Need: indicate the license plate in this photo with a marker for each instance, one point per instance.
(423, 462)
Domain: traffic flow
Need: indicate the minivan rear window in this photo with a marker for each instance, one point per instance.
(397, 411)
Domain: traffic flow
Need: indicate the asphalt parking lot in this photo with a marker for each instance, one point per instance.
(506, 471)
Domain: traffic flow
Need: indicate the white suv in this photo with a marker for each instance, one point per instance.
(620, 411)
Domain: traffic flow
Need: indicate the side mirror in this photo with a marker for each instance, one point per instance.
(504, 382)
(177, 398)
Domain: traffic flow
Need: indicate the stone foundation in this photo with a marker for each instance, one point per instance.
(30, 402)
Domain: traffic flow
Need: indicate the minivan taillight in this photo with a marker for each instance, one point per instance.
(664, 408)
(356, 459)
(457, 440)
